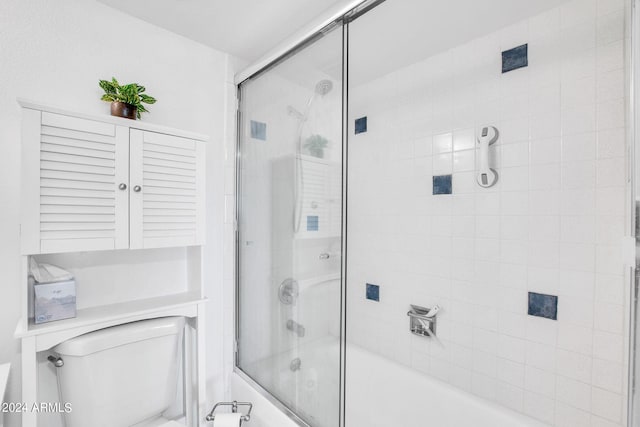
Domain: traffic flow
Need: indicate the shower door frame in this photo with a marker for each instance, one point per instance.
(238, 176)
(633, 246)
(341, 18)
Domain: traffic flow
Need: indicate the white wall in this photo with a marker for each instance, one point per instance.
(553, 224)
(54, 53)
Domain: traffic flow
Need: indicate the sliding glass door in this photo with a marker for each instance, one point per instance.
(290, 230)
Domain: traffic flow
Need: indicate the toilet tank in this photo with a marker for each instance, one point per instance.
(120, 376)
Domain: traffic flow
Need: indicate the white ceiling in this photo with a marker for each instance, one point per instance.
(244, 28)
(395, 34)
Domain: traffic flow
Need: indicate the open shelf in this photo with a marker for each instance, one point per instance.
(114, 314)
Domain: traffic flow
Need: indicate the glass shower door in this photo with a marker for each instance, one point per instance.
(289, 239)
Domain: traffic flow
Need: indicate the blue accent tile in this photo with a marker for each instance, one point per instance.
(361, 125)
(373, 292)
(258, 130)
(542, 305)
(515, 58)
(312, 223)
(442, 184)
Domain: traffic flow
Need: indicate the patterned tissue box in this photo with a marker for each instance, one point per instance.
(54, 301)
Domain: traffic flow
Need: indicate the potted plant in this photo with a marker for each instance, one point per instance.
(126, 100)
(315, 145)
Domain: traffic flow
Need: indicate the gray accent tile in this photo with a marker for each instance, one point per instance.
(515, 58)
(442, 184)
(361, 125)
(542, 305)
(258, 130)
(373, 292)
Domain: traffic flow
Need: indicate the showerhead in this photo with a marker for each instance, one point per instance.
(324, 87)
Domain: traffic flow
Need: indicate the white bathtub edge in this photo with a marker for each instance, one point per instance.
(264, 413)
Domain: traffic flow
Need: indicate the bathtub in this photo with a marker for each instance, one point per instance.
(382, 393)
(263, 414)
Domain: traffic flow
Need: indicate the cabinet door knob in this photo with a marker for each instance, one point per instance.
(137, 188)
(122, 186)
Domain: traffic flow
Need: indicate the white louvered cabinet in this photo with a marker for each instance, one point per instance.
(320, 205)
(166, 200)
(103, 184)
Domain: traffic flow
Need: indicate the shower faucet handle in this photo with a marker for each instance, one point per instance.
(296, 328)
(432, 313)
(324, 255)
(288, 291)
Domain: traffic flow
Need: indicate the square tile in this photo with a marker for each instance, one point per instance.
(543, 305)
(258, 130)
(442, 164)
(606, 404)
(361, 125)
(443, 143)
(515, 58)
(442, 184)
(373, 292)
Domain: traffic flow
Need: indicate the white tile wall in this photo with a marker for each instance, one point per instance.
(553, 223)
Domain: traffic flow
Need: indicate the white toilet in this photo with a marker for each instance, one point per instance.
(121, 376)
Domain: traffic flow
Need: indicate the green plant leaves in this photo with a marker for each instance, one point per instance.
(131, 93)
(147, 99)
(107, 86)
(316, 142)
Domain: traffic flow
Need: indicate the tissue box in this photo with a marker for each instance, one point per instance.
(54, 301)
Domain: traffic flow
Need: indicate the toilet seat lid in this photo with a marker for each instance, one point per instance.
(115, 336)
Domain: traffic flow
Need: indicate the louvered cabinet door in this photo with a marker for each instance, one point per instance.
(321, 203)
(313, 202)
(72, 170)
(167, 190)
